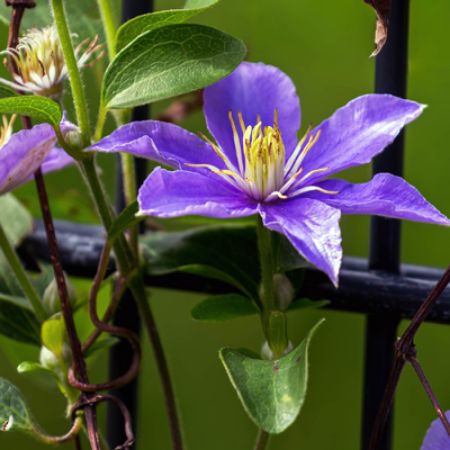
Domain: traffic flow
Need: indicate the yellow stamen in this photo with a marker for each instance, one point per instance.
(6, 129)
(241, 122)
(312, 172)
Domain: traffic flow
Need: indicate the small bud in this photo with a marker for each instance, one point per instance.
(74, 139)
(267, 353)
(48, 359)
(51, 299)
(51, 361)
(284, 291)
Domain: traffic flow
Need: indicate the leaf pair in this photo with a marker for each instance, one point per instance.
(227, 253)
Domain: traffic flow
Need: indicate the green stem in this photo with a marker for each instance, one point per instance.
(274, 321)
(262, 440)
(110, 26)
(76, 84)
(21, 275)
(266, 265)
(57, 440)
(130, 192)
(127, 263)
(101, 119)
(129, 177)
(122, 251)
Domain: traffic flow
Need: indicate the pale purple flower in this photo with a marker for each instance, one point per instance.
(436, 437)
(22, 153)
(258, 166)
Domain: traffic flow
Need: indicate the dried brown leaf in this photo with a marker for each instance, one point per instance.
(382, 8)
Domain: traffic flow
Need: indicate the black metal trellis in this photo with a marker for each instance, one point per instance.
(379, 287)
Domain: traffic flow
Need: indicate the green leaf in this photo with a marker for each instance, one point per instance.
(53, 333)
(215, 274)
(169, 61)
(31, 366)
(272, 392)
(225, 252)
(126, 219)
(303, 303)
(6, 91)
(42, 109)
(224, 307)
(147, 22)
(14, 414)
(15, 218)
(18, 323)
(232, 306)
(21, 302)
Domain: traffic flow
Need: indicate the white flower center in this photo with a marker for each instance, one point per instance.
(40, 62)
(262, 171)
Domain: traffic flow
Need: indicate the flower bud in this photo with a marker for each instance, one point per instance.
(74, 139)
(268, 354)
(284, 291)
(51, 299)
(48, 359)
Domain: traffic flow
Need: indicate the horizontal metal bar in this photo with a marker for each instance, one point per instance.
(360, 290)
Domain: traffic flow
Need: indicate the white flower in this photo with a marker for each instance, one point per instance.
(40, 64)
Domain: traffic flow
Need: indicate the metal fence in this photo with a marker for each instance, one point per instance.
(380, 288)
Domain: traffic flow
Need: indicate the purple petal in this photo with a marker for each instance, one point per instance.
(252, 89)
(436, 437)
(22, 155)
(56, 160)
(385, 195)
(312, 227)
(163, 142)
(172, 194)
(357, 132)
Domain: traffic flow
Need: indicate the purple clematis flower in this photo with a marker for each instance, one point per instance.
(22, 153)
(258, 166)
(436, 437)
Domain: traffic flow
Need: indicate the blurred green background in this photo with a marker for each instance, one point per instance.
(324, 46)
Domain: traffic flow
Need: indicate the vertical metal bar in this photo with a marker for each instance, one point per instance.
(391, 78)
(127, 314)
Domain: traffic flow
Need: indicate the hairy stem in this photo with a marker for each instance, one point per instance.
(101, 119)
(262, 440)
(130, 193)
(266, 264)
(76, 84)
(109, 26)
(71, 435)
(126, 261)
(274, 321)
(128, 268)
(21, 275)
